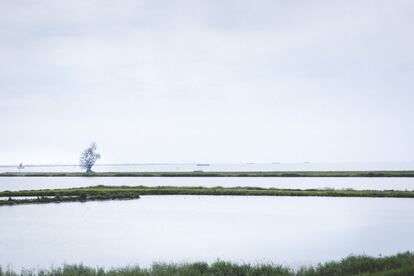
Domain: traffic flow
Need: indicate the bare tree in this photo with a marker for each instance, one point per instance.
(89, 157)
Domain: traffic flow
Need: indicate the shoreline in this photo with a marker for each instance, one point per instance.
(386, 173)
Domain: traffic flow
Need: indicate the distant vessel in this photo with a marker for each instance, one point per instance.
(203, 164)
(20, 167)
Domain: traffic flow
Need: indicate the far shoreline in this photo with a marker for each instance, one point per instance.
(370, 173)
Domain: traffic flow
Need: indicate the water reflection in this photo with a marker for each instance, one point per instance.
(27, 183)
(287, 230)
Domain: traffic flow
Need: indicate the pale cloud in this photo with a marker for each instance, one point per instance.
(215, 81)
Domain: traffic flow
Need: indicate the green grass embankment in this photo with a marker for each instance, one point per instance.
(218, 174)
(132, 192)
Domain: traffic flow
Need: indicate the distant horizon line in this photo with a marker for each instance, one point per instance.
(202, 163)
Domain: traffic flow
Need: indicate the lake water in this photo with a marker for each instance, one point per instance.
(27, 183)
(222, 167)
(292, 231)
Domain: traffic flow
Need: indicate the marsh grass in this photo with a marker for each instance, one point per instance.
(132, 192)
(400, 264)
(59, 197)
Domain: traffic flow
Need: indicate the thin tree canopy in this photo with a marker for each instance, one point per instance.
(89, 157)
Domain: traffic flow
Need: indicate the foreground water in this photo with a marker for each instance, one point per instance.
(292, 231)
(27, 183)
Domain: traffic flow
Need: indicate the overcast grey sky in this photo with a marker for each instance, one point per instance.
(207, 81)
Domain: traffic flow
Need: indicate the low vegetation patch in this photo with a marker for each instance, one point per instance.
(133, 192)
(58, 197)
(400, 264)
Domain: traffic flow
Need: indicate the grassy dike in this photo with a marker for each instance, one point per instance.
(133, 192)
(400, 264)
(218, 174)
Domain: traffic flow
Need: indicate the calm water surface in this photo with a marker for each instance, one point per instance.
(222, 167)
(25, 183)
(287, 230)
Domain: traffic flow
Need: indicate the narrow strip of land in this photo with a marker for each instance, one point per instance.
(39, 197)
(406, 173)
(133, 192)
